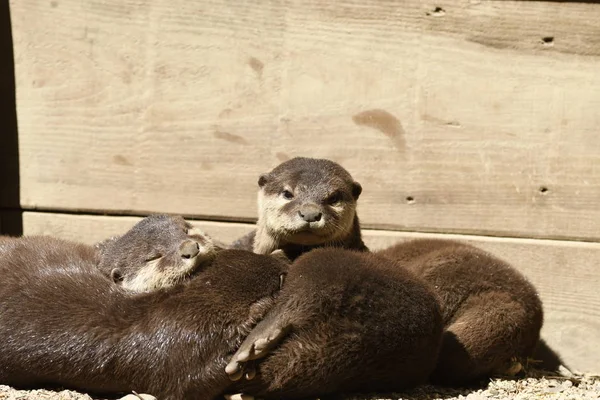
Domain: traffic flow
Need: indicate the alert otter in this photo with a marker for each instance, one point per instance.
(157, 252)
(305, 203)
(344, 322)
(492, 314)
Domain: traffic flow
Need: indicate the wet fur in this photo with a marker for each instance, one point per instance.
(492, 314)
(317, 184)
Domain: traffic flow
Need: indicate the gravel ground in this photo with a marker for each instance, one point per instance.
(537, 385)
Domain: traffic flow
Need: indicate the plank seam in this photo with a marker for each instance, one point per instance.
(251, 221)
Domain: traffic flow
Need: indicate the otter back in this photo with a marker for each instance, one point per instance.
(347, 322)
(492, 314)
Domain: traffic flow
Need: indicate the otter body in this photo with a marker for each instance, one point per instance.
(492, 314)
(305, 203)
(341, 325)
(67, 324)
(345, 322)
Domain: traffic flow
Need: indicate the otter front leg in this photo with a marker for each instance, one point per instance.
(264, 241)
(261, 340)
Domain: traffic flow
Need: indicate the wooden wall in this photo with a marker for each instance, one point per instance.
(475, 118)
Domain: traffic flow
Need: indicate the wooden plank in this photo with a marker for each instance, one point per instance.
(565, 273)
(91, 229)
(461, 119)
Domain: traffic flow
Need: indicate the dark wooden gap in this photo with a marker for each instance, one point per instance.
(12, 222)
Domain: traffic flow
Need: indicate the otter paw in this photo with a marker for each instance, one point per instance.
(258, 344)
(259, 347)
(238, 370)
(238, 396)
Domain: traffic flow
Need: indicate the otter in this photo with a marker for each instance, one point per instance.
(492, 314)
(344, 322)
(67, 324)
(305, 203)
(158, 252)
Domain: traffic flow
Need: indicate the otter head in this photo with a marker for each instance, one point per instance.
(158, 252)
(307, 202)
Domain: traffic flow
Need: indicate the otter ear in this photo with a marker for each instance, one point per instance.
(356, 190)
(262, 180)
(116, 275)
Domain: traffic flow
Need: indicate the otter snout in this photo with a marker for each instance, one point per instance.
(189, 249)
(310, 213)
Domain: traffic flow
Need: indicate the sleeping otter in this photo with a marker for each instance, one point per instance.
(68, 325)
(345, 322)
(157, 252)
(305, 203)
(492, 314)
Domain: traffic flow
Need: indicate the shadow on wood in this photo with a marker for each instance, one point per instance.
(549, 360)
(9, 142)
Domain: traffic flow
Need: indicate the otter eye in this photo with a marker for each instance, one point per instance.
(334, 198)
(287, 195)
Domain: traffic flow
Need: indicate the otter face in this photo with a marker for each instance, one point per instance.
(308, 201)
(158, 252)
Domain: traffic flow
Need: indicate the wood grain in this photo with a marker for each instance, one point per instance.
(456, 116)
(565, 273)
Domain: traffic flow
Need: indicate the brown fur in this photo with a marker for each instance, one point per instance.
(351, 322)
(157, 252)
(492, 314)
(64, 323)
(305, 203)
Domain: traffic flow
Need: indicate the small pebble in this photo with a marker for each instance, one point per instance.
(138, 396)
(536, 386)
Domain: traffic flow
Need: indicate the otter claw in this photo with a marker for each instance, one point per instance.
(250, 373)
(236, 370)
(237, 374)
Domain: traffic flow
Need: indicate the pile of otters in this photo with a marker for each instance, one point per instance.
(298, 308)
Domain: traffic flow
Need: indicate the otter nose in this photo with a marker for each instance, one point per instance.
(189, 249)
(310, 214)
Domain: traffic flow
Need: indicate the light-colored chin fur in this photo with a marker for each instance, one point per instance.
(150, 277)
(275, 228)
